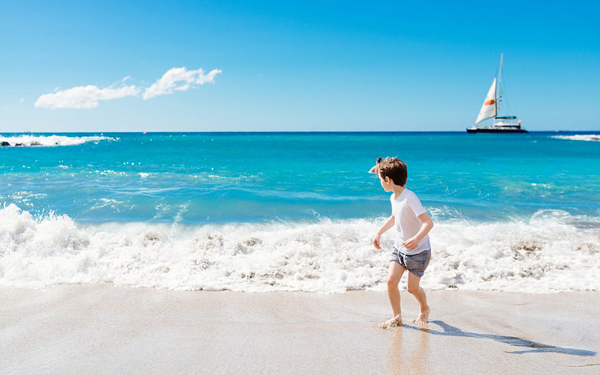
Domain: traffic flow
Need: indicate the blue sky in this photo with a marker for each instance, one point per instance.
(295, 66)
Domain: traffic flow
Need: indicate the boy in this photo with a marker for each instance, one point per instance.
(412, 250)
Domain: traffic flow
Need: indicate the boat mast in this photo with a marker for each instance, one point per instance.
(499, 73)
(498, 87)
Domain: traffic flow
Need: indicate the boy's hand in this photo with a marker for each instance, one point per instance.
(411, 244)
(376, 242)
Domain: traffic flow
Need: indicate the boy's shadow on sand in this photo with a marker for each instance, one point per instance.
(536, 347)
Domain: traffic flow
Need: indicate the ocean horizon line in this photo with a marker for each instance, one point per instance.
(292, 132)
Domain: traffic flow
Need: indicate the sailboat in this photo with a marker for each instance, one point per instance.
(489, 109)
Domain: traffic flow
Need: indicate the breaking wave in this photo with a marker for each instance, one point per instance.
(551, 252)
(580, 137)
(49, 141)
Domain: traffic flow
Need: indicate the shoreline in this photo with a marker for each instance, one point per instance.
(106, 329)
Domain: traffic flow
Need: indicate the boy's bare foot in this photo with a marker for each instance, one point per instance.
(394, 322)
(423, 317)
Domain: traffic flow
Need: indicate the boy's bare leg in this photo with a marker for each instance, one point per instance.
(394, 275)
(415, 289)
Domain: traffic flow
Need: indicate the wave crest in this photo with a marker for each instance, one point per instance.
(49, 141)
(580, 137)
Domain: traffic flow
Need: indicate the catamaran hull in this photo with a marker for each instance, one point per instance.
(490, 130)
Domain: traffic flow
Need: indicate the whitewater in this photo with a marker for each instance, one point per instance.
(544, 254)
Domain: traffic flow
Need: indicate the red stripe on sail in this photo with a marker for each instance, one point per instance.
(489, 102)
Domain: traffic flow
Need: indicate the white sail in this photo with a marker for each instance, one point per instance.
(488, 109)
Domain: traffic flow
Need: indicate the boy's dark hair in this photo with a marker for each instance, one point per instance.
(395, 169)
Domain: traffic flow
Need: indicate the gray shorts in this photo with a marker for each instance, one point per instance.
(414, 263)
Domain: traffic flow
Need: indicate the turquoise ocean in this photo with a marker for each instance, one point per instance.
(296, 211)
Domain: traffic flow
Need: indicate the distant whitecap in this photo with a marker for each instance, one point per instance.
(49, 141)
(580, 137)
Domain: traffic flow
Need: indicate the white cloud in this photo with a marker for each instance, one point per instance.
(175, 79)
(179, 79)
(84, 96)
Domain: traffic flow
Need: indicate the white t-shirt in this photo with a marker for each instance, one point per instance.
(406, 209)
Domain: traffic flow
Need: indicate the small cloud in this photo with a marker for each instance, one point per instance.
(84, 96)
(179, 79)
(22, 100)
(81, 97)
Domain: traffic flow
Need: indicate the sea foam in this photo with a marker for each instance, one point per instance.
(548, 253)
(50, 140)
(580, 137)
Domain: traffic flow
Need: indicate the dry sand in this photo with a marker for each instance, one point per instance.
(100, 329)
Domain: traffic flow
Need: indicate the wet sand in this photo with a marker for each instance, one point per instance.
(100, 329)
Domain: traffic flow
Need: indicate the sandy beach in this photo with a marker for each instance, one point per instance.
(100, 329)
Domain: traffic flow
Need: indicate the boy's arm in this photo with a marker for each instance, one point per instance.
(387, 225)
(413, 243)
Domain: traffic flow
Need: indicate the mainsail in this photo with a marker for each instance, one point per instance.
(488, 109)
